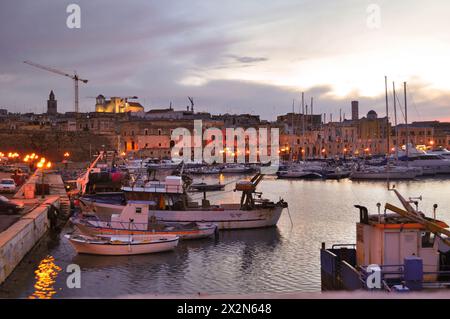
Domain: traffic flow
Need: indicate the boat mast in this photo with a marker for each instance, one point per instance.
(293, 130)
(395, 121)
(303, 114)
(406, 122)
(387, 118)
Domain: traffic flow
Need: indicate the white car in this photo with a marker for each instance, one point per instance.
(7, 185)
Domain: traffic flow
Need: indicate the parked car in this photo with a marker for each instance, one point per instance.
(7, 185)
(8, 168)
(8, 207)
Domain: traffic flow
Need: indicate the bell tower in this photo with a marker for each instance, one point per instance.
(52, 104)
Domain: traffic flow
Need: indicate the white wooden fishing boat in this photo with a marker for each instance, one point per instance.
(173, 206)
(135, 219)
(122, 245)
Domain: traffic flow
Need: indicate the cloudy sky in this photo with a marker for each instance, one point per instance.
(246, 56)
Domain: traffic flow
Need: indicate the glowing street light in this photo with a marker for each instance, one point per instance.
(42, 165)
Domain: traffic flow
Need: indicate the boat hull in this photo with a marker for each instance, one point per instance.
(382, 175)
(228, 217)
(123, 249)
(187, 234)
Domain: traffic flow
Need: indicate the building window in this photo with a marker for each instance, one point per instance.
(145, 132)
(159, 131)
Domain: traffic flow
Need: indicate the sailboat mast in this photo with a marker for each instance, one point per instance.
(387, 117)
(303, 114)
(293, 130)
(406, 120)
(395, 121)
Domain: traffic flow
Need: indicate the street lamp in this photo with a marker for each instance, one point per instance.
(42, 165)
(66, 159)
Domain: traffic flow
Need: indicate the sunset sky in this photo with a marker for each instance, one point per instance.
(232, 56)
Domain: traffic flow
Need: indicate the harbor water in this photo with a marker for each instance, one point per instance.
(279, 259)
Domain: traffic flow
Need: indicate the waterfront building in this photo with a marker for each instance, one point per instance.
(117, 105)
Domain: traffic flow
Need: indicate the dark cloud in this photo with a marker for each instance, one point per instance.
(147, 48)
(248, 59)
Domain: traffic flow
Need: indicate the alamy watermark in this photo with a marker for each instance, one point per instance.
(373, 280)
(74, 279)
(241, 146)
(74, 19)
(373, 20)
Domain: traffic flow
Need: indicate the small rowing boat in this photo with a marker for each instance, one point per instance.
(122, 245)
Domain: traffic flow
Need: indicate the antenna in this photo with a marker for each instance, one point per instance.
(191, 99)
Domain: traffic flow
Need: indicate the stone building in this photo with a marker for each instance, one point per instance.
(52, 104)
(117, 105)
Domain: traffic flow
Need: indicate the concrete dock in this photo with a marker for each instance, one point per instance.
(19, 233)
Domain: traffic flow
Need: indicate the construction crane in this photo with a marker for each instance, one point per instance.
(74, 77)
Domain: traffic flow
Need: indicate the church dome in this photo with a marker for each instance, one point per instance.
(372, 115)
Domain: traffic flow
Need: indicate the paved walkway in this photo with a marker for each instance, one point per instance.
(56, 186)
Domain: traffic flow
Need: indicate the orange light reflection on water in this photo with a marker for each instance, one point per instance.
(45, 278)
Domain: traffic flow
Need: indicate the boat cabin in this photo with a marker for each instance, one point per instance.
(408, 254)
(135, 214)
(388, 239)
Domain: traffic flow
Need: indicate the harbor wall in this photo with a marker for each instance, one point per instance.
(55, 143)
(19, 238)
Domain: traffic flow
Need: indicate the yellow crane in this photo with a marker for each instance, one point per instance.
(74, 77)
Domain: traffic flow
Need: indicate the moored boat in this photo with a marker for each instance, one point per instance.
(384, 173)
(401, 250)
(122, 245)
(298, 174)
(135, 220)
(203, 187)
(172, 205)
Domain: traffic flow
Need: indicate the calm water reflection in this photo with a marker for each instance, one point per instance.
(278, 259)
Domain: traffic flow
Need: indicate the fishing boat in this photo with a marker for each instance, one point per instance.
(384, 173)
(136, 219)
(173, 205)
(203, 187)
(204, 170)
(336, 173)
(236, 169)
(120, 245)
(398, 250)
(298, 174)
